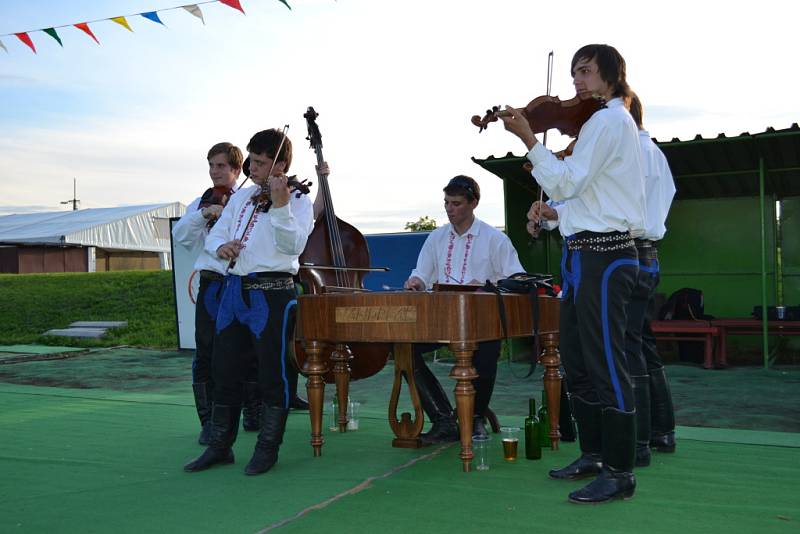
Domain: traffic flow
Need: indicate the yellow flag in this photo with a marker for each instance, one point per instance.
(122, 22)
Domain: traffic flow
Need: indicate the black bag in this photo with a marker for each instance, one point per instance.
(523, 283)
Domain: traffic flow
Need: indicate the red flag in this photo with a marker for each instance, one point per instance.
(84, 27)
(25, 38)
(234, 4)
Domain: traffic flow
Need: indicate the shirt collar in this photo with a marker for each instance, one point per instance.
(474, 229)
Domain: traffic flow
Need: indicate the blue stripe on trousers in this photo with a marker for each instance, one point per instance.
(289, 305)
(612, 370)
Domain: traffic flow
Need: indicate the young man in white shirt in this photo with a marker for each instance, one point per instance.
(224, 166)
(260, 235)
(655, 416)
(465, 251)
(602, 181)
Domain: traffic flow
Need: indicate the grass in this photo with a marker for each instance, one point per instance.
(31, 304)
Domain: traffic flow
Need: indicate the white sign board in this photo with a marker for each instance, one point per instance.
(186, 283)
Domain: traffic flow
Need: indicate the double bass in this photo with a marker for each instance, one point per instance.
(336, 258)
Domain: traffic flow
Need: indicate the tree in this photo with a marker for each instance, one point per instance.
(424, 224)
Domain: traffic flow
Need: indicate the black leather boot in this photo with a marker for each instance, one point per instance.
(641, 398)
(589, 418)
(202, 401)
(265, 455)
(251, 407)
(565, 420)
(662, 433)
(484, 386)
(224, 427)
(616, 480)
(436, 406)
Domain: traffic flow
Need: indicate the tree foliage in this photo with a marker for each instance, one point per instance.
(423, 224)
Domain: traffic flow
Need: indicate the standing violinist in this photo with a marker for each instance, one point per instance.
(224, 166)
(466, 251)
(656, 422)
(603, 181)
(258, 237)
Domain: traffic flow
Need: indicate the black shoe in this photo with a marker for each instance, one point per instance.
(588, 465)
(663, 442)
(298, 403)
(265, 455)
(444, 430)
(616, 480)
(210, 458)
(609, 485)
(223, 428)
(479, 428)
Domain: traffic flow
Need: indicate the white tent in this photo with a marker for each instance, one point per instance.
(142, 228)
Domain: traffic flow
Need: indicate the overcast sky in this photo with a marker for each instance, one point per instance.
(394, 83)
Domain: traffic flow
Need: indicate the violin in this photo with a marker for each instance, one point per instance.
(547, 112)
(262, 196)
(214, 196)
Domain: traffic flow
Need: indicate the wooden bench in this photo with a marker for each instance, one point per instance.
(748, 326)
(700, 331)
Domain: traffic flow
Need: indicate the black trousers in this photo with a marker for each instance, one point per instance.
(640, 345)
(261, 327)
(205, 316)
(485, 362)
(596, 290)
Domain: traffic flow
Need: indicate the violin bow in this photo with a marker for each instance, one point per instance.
(538, 222)
(232, 263)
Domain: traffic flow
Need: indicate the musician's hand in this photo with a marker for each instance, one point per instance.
(540, 210)
(415, 284)
(230, 250)
(515, 122)
(211, 212)
(323, 169)
(278, 190)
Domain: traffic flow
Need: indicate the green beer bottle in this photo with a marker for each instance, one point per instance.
(533, 445)
(544, 422)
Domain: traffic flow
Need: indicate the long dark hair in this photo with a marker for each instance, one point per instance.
(611, 65)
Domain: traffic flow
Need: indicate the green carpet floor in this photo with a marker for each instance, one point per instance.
(95, 443)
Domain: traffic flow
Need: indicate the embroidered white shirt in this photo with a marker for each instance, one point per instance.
(273, 241)
(481, 253)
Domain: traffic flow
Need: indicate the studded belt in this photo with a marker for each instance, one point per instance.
(267, 284)
(600, 242)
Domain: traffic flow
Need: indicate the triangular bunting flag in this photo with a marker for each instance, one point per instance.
(122, 22)
(152, 15)
(25, 38)
(3, 46)
(195, 10)
(284, 2)
(52, 33)
(84, 27)
(233, 3)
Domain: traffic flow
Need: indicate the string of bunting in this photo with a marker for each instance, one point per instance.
(152, 16)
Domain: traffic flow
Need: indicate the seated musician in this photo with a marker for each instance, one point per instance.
(466, 251)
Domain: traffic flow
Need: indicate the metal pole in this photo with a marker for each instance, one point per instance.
(764, 320)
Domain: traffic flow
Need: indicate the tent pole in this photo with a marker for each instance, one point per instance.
(764, 320)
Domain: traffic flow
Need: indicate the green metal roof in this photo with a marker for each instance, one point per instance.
(708, 168)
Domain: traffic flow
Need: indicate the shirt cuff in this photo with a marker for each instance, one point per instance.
(537, 154)
(282, 214)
